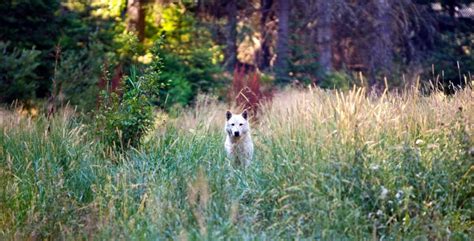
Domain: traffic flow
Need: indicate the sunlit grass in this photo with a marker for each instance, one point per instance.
(327, 166)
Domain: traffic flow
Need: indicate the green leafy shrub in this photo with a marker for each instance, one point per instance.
(178, 93)
(17, 73)
(337, 80)
(187, 75)
(179, 90)
(124, 119)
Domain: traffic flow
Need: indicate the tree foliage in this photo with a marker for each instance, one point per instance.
(300, 41)
(17, 73)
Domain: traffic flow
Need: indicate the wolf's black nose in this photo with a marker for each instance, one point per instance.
(236, 133)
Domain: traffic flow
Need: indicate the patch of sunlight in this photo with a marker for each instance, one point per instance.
(170, 17)
(217, 54)
(74, 5)
(466, 50)
(248, 48)
(145, 59)
(185, 38)
(107, 8)
(161, 118)
(28, 112)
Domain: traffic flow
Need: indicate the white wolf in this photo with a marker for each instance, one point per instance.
(238, 143)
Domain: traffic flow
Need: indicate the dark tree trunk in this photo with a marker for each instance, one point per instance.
(136, 18)
(451, 4)
(281, 63)
(324, 35)
(381, 59)
(231, 49)
(263, 60)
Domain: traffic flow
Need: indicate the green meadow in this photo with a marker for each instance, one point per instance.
(328, 166)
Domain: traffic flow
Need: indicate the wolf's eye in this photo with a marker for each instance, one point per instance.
(232, 124)
(241, 124)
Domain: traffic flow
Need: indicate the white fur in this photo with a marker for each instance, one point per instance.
(239, 148)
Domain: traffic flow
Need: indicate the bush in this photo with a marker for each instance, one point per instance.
(17, 73)
(337, 80)
(124, 120)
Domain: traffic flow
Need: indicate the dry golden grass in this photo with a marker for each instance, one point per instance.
(355, 111)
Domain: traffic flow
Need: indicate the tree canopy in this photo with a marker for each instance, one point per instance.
(67, 48)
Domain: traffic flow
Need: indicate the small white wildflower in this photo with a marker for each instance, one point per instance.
(374, 167)
(419, 142)
(471, 151)
(429, 204)
(384, 193)
(399, 194)
(379, 212)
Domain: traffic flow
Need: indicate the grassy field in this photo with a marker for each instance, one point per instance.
(327, 166)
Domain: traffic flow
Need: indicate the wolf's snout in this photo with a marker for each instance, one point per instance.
(236, 133)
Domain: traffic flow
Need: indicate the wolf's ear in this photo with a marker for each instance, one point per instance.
(228, 115)
(245, 114)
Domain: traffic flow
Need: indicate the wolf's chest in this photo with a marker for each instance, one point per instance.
(241, 149)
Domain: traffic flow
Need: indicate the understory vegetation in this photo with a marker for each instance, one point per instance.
(328, 165)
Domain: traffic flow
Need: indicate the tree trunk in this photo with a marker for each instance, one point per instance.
(324, 35)
(136, 18)
(281, 63)
(381, 49)
(231, 49)
(451, 4)
(263, 60)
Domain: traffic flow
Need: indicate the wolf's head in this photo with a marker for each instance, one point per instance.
(237, 125)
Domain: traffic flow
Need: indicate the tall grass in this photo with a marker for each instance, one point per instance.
(327, 166)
